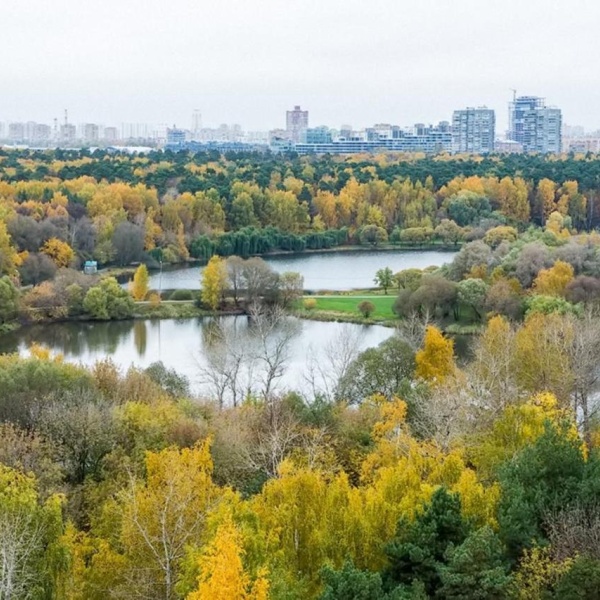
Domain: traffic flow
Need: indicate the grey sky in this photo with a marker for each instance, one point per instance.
(247, 61)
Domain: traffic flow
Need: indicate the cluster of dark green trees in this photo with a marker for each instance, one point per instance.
(259, 168)
(251, 241)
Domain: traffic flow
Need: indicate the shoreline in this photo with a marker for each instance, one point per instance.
(122, 272)
(183, 310)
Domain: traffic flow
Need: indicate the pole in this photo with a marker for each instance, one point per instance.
(160, 280)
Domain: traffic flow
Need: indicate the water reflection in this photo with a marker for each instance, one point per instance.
(140, 337)
(190, 346)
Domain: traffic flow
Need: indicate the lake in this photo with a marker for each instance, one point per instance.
(322, 270)
(200, 349)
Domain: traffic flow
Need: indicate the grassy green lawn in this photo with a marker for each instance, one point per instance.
(348, 304)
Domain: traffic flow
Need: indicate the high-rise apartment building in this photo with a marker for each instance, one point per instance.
(111, 134)
(68, 133)
(135, 131)
(296, 123)
(90, 132)
(473, 130)
(41, 133)
(534, 125)
(16, 132)
(196, 129)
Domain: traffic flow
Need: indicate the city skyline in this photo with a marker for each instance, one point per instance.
(196, 120)
(533, 127)
(243, 62)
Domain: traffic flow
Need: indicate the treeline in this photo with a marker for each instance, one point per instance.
(476, 484)
(35, 165)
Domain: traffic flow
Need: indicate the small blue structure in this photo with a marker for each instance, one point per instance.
(90, 267)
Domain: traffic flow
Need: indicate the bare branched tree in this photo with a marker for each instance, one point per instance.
(21, 541)
(412, 327)
(225, 357)
(448, 412)
(492, 370)
(269, 433)
(272, 332)
(574, 531)
(235, 273)
(325, 370)
(584, 352)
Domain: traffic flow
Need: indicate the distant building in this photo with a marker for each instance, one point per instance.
(135, 131)
(196, 125)
(176, 137)
(346, 130)
(381, 131)
(111, 134)
(507, 147)
(256, 137)
(42, 132)
(296, 123)
(535, 126)
(474, 130)
(36, 133)
(278, 134)
(16, 132)
(444, 126)
(573, 131)
(90, 132)
(583, 145)
(159, 133)
(317, 135)
(380, 138)
(68, 133)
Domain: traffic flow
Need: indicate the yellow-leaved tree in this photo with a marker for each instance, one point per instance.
(60, 252)
(222, 573)
(139, 287)
(8, 255)
(435, 361)
(214, 280)
(519, 425)
(538, 573)
(554, 281)
(165, 514)
(542, 355)
(30, 531)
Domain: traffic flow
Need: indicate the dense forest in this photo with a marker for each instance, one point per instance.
(478, 483)
(62, 207)
(405, 473)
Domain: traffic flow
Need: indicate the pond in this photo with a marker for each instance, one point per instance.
(339, 270)
(208, 350)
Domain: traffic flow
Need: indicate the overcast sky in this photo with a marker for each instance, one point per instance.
(247, 61)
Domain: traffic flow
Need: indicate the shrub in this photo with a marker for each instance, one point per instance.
(309, 303)
(154, 299)
(366, 308)
(181, 295)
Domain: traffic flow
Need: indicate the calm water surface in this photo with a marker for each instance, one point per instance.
(323, 270)
(188, 345)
